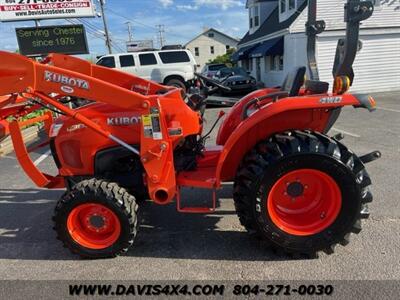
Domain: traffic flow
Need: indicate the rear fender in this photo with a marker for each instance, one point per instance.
(232, 120)
(296, 113)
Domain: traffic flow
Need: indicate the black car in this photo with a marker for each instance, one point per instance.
(237, 79)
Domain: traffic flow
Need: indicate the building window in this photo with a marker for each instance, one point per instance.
(211, 35)
(276, 63)
(197, 51)
(283, 6)
(292, 4)
(212, 50)
(228, 47)
(272, 63)
(251, 22)
(256, 17)
(250, 65)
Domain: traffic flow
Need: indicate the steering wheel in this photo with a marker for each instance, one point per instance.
(213, 82)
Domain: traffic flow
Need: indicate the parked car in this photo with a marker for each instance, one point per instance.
(237, 79)
(211, 70)
(174, 68)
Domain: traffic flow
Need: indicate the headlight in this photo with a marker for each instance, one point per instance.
(55, 129)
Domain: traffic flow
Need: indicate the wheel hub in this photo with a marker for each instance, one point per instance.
(94, 226)
(295, 189)
(304, 202)
(97, 222)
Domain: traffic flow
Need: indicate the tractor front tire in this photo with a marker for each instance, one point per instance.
(96, 219)
(303, 192)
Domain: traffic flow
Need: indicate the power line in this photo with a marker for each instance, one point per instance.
(96, 34)
(94, 27)
(126, 18)
(143, 24)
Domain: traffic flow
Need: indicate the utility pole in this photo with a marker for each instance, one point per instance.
(161, 39)
(129, 24)
(108, 41)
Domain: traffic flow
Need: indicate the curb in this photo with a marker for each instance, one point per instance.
(28, 134)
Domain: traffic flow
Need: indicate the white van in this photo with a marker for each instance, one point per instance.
(169, 67)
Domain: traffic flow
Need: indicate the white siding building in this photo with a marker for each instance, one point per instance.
(377, 66)
(210, 44)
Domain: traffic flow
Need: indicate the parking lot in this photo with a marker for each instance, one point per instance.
(173, 246)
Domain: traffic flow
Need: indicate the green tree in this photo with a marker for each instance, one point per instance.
(224, 59)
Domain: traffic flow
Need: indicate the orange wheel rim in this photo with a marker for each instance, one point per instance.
(93, 226)
(304, 202)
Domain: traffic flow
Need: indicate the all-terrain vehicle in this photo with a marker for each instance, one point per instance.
(294, 185)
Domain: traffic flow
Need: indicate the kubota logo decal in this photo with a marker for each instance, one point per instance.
(66, 81)
(330, 100)
(123, 121)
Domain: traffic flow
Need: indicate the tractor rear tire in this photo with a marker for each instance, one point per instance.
(303, 192)
(96, 219)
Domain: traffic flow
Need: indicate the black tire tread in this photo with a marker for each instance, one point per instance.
(125, 202)
(267, 152)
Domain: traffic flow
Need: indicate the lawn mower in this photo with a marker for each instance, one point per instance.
(133, 139)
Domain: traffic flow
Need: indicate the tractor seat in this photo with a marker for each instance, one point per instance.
(316, 86)
(294, 81)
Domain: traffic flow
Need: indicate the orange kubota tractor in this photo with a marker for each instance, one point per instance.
(294, 185)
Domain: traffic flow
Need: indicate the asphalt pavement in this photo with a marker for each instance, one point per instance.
(173, 246)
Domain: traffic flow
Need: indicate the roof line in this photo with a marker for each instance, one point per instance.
(212, 29)
(274, 13)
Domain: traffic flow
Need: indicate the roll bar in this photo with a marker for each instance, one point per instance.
(313, 28)
(346, 51)
(355, 12)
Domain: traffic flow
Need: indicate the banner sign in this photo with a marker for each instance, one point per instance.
(22, 10)
(66, 39)
(136, 46)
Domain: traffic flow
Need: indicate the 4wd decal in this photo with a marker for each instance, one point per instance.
(66, 81)
(330, 100)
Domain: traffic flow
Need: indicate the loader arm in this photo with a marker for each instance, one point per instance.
(161, 109)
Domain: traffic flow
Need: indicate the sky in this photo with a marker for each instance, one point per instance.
(183, 20)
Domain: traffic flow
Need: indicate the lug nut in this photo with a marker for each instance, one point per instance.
(323, 215)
